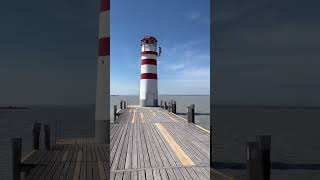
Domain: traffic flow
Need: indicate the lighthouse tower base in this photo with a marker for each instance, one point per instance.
(148, 93)
(144, 103)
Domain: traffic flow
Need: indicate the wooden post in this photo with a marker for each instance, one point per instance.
(47, 136)
(36, 135)
(121, 104)
(190, 113)
(114, 113)
(264, 142)
(174, 107)
(253, 162)
(124, 104)
(16, 144)
(165, 105)
(161, 104)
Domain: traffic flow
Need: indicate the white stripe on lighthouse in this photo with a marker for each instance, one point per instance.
(148, 56)
(148, 68)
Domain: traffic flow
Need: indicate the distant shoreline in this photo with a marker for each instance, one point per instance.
(14, 107)
(263, 107)
(164, 95)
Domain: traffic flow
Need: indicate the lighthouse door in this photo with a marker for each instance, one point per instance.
(149, 100)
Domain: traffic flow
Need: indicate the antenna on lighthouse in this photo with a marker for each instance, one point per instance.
(159, 50)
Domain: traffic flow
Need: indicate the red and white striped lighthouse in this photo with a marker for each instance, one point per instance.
(102, 113)
(148, 80)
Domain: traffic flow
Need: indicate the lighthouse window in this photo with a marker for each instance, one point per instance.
(147, 41)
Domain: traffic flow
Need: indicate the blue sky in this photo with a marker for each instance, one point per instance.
(48, 49)
(182, 29)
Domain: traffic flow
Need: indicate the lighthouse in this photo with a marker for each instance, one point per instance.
(102, 114)
(148, 76)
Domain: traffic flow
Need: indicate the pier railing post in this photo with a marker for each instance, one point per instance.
(165, 105)
(10, 158)
(121, 104)
(16, 144)
(114, 113)
(36, 135)
(124, 104)
(161, 104)
(253, 161)
(174, 107)
(47, 136)
(190, 113)
(264, 143)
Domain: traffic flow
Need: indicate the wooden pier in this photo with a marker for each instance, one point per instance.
(146, 143)
(150, 143)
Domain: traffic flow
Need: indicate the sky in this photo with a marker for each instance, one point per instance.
(48, 49)
(182, 29)
(266, 52)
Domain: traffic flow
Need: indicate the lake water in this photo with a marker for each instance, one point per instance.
(295, 134)
(78, 121)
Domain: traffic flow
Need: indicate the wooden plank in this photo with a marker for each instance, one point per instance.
(128, 155)
(180, 154)
(134, 175)
(145, 152)
(141, 175)
(76, 175)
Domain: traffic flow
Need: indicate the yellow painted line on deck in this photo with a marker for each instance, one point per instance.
(133, 117)
(142, 117)
(203, 128)
(181, 155)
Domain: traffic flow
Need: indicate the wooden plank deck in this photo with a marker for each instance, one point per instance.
(145, 144)
(152, 144)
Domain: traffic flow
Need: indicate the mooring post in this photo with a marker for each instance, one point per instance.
(114, 113)
(174, 107)
(47, 136)
(124, 104)
(253, 161)
(16, 145)
(36, 135)
(264, 142)
(190, 113)
(165, 105)
(121, 104)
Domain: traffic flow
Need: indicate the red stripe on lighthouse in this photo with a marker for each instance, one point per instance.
(149, 76)
(148, 61)
(149, 52)
(104, 46)
(104, 5)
